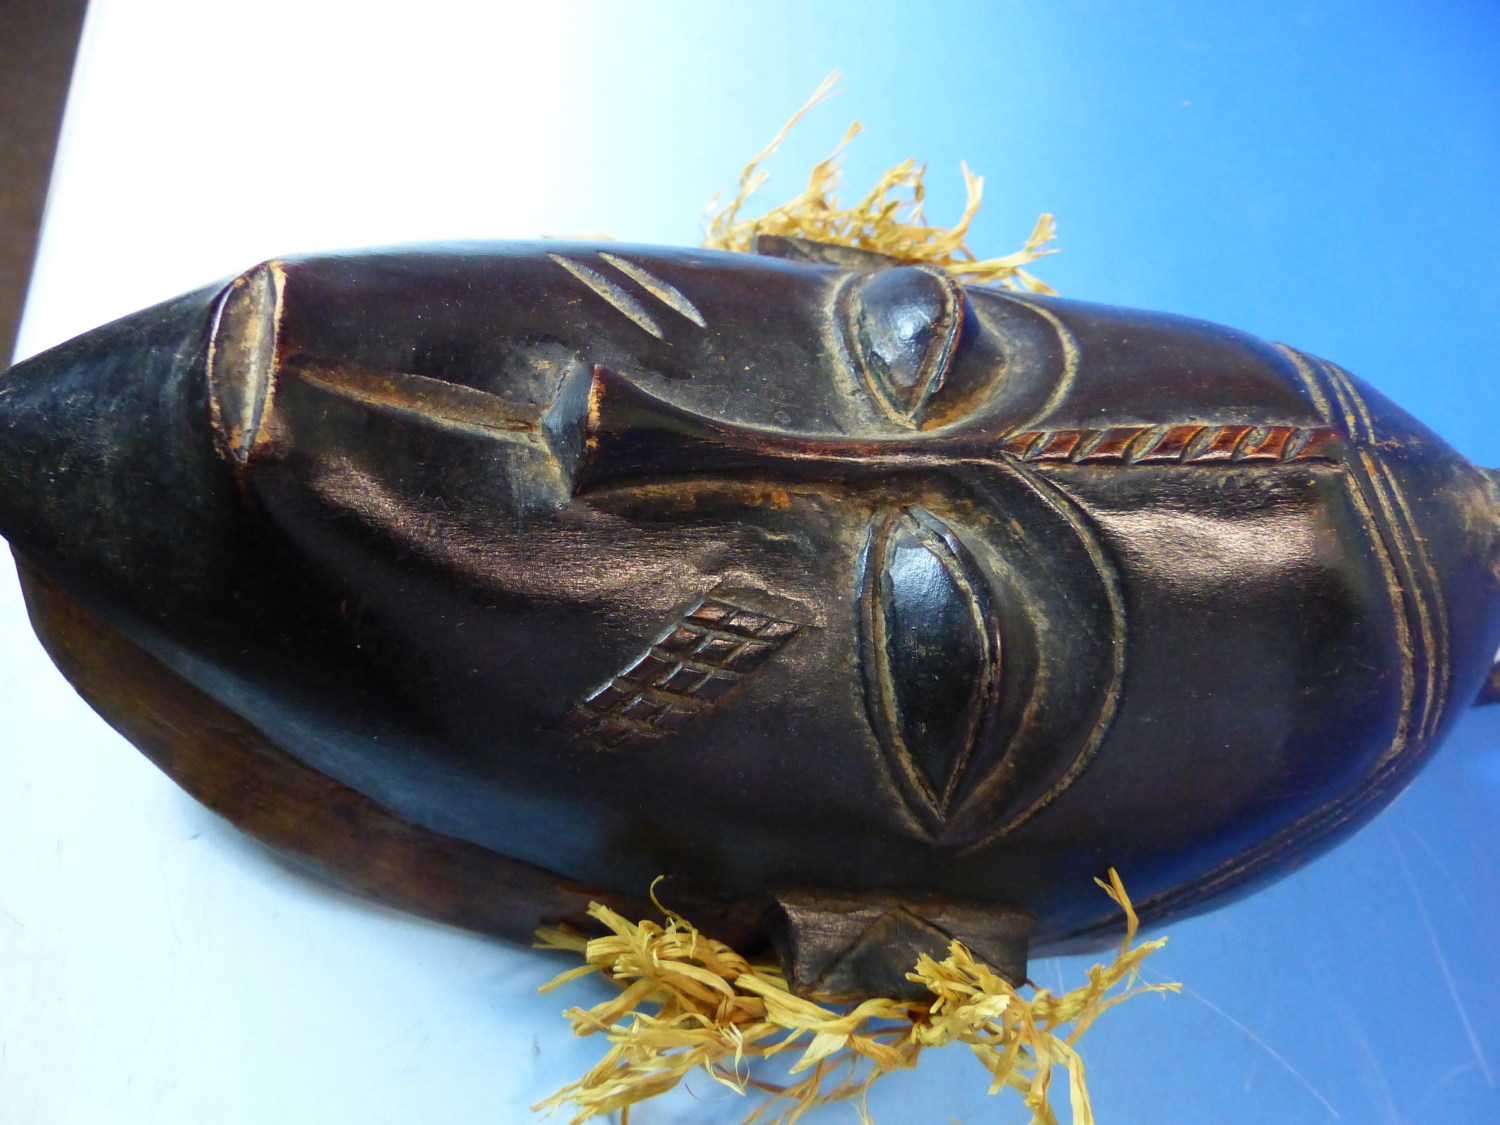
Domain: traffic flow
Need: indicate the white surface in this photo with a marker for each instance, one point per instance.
(158, 967)
(201, 138)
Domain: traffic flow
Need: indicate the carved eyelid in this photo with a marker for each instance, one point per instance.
(930, 651)
(903, 325)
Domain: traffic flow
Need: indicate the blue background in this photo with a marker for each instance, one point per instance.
(1324, 174)
(1319, 173)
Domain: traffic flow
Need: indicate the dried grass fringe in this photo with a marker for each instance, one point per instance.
(716, 1011)
(882, 221)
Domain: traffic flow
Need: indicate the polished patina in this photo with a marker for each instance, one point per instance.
(870, 609)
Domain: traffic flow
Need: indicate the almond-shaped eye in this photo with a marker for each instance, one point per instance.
(930, 650)
(905, 324)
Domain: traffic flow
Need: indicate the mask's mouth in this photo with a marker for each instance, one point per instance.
(838, 947)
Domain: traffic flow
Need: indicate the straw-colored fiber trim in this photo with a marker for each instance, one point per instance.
(717, 1012)
(883, 221)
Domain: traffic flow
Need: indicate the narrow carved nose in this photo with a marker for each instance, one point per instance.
(109, 478)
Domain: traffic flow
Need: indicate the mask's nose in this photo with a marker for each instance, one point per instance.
(110, 477)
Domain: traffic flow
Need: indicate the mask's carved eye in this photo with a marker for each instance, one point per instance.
(931, 652)
(904, 325)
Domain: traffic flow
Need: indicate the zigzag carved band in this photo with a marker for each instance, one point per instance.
(1188, 444)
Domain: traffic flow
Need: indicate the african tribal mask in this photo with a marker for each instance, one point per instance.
(870, 610)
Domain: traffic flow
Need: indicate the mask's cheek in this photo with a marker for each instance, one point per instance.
(484, 629)
(449, 549)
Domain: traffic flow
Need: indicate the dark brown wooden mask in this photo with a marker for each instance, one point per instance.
(871, 610)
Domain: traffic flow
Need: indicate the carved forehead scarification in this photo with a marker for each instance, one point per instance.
(617, 297)
(623, 301)
(664, 291)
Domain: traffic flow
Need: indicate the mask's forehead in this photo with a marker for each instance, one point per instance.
(757, 341)
(787, 345)
(724, 335)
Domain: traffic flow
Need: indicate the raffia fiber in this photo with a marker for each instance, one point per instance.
(716, 1012)
(883, 221)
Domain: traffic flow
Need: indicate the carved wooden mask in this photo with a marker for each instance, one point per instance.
(869, 609)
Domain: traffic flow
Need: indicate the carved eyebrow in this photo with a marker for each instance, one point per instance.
(430, 399)
(611, 292)
(664, 292)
